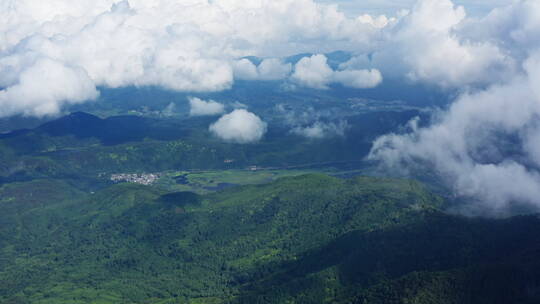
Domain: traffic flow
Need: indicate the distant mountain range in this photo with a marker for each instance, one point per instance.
(81, 145)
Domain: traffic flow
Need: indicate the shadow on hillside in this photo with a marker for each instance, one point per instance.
(499, 259)
(113, 130)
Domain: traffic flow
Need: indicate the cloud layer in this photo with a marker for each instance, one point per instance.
(197, 46)
(180, 45)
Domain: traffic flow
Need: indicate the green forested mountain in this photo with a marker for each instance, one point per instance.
(306, 239)
(269, 152)
(82, 146)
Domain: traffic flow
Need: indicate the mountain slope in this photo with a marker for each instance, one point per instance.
(307, 239)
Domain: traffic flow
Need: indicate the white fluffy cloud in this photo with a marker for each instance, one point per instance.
(195, 45)
(486, 145)
(43, 86)
(239, 126)
(268, 69)
(180, 45)
(427, 45)
(199, 107)
(314, 72)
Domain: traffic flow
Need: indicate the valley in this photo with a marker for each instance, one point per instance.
(269, 152)
(104, 211)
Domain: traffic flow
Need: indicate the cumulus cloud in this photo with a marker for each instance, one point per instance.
(486, 146)
(43, 86)
(430, 44)
(513, 28)
(195, 45)
(268, 69)
(239, 126)
(314, 72)
(245, 70)
(199, 107)
(179, 45)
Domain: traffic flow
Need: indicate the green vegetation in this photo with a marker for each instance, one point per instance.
(203, 182)
(303, 239)
(285, 235)
(87, 149)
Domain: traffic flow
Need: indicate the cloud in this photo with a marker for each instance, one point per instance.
(485, 146)
(513, 28)
(314, 72)
(428, 46)
(268, 69)
(201, 107)
(320, 129)
(311, 123)
(359, 79)
(239, 126)
(245, 70)
(238, 105)
(44, 85)
(179, 45)
(170, 110)
(194, 45)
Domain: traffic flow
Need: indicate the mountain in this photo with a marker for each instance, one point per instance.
(305, 239)
(83, 146)
(112, 130)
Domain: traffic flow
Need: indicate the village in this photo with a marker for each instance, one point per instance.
(143, 178)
